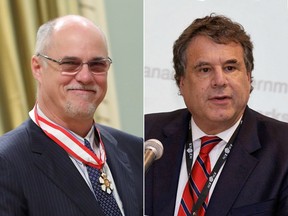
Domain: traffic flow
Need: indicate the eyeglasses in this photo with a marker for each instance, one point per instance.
(72, 65)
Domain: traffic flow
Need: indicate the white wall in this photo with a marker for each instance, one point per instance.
(267, 23)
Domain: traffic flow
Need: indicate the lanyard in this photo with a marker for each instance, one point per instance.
(222, 158)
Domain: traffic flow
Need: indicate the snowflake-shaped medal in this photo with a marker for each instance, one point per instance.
(106, 184)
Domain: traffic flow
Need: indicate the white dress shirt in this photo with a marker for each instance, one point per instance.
(214, 154)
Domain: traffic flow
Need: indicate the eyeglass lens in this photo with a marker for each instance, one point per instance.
(95, 66)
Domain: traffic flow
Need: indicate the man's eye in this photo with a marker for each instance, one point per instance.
(98, 66)
(205, 70)
(230, 68)
(70, 63)
(97, 63)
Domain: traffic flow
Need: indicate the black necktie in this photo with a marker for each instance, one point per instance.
(106, 200)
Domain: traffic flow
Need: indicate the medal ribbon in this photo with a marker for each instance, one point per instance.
(70, 143)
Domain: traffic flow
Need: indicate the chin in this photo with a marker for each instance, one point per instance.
(221, 117)
(81, 111)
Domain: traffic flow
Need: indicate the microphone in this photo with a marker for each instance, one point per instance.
(153, 151)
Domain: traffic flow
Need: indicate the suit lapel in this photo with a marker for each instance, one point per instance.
(237, 169)
(119, 165)
(166, 170)
(55, 163)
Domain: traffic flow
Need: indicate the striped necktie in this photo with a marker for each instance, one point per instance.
(106, 201)
(199, 175)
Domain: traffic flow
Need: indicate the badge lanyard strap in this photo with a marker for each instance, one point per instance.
(220, 161)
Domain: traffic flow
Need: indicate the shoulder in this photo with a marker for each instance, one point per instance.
(163, 117)
(16, 147)
(269, 132)
(155, 123)
(116, 141)
(121, 140)
(15, 139)
(265, 122)
(117, 134)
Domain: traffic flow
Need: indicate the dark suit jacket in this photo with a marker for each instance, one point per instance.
(254, 180)
(38, 178)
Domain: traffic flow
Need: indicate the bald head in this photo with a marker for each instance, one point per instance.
(71, 23)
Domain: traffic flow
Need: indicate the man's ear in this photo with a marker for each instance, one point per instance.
(36, 67)
(181, 85)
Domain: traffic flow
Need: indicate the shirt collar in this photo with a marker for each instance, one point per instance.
(197, 133)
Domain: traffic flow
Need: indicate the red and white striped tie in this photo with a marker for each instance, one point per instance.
(199, 175)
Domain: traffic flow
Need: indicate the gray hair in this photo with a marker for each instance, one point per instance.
(43, 36)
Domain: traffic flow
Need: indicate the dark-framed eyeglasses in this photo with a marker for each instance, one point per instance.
(72, 65)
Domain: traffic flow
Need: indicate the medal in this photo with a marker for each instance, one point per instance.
(106, 184)
(75, 148)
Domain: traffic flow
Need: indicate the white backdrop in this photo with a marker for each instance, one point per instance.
(265, 20)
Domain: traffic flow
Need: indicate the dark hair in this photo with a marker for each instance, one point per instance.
(221, 30)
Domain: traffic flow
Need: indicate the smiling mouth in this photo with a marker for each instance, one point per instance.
(84, 91)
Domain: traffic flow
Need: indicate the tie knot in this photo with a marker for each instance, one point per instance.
(208, 143)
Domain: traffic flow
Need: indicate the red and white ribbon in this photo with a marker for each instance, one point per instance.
(69, 142)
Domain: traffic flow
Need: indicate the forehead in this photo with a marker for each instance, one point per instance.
(78, 37)
(204, 48)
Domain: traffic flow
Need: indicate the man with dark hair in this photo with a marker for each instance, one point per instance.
(220, 157)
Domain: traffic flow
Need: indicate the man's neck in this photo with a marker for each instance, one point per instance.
(79, 126)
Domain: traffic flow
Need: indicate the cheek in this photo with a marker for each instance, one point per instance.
(101, 82)
(243, 85)
(185, 85)
(192, 92)
(195, 87)
(56, 85)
